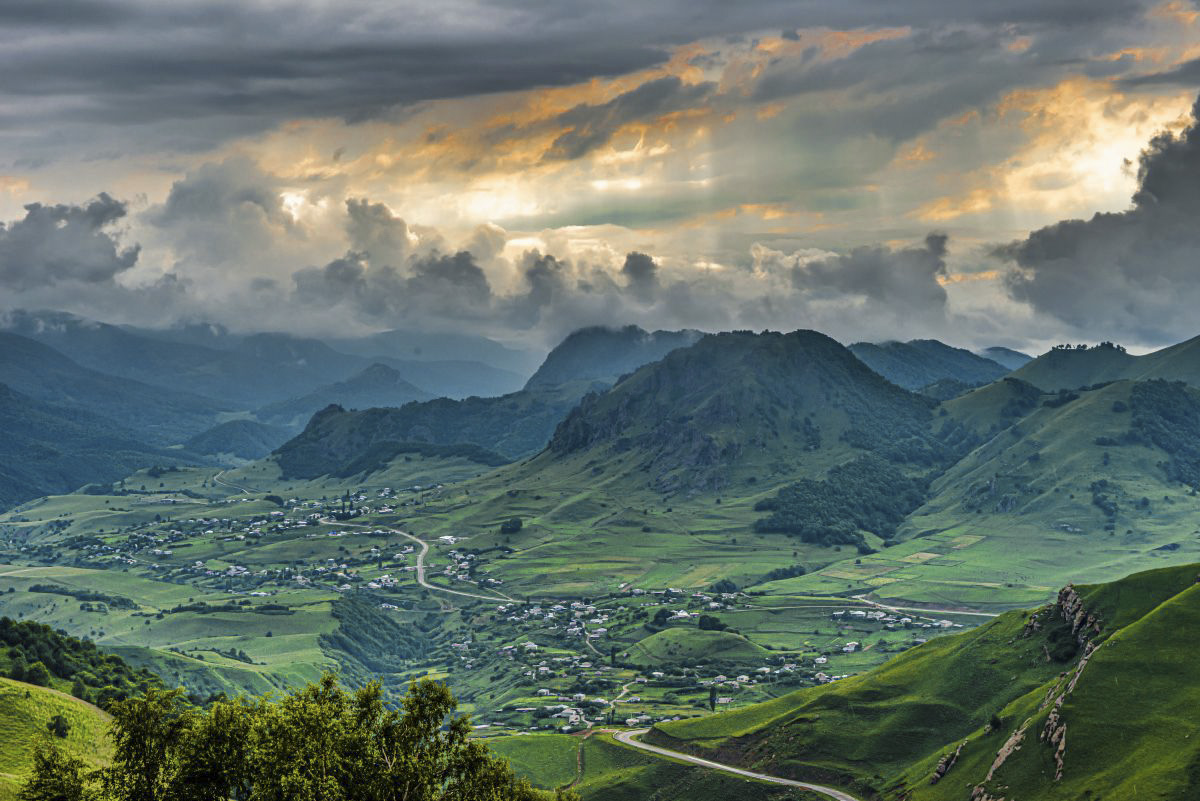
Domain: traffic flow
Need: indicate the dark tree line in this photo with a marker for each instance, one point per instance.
(867, 494)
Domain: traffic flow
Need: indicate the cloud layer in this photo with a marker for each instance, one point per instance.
(1133, 273)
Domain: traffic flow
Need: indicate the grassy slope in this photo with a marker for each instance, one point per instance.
(687, 645)
(24, 712)
(1070, 369)
(614, 772)
(1015, 518)
(886, 730)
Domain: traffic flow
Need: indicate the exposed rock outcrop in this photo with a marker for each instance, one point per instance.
(944, 765)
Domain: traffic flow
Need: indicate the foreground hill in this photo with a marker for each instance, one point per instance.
(53, 449)
(922, 362)
(25, 711)
(1083, 698)
(606, 354)
(376, 386)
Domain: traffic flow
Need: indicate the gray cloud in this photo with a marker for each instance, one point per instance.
(223, 213)
(641, 275)
(905, 280)
(1131, 274)
(1186, 74)
(374, 230)
(425, 288)
(194, 73)
(62, 243)
(591, 126)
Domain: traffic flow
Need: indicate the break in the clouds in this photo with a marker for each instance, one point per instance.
(519, 168)
(1134, 272)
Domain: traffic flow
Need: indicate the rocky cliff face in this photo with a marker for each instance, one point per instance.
(1084, 625)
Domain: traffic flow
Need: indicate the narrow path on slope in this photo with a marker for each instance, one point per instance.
(421, 564)
(627, 737)
(929, 609)
(217, 480)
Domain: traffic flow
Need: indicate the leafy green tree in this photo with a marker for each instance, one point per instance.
(146, 731)
(56, 777)
(38, 674)
(318, 744)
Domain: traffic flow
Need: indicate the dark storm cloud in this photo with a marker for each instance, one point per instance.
(63, 243)
(1129, 274)
(436, 285)
(593, 125)
(194, 73)
(641, 275)
(905, 280)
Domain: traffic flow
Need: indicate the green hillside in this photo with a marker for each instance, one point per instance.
(922, 362)
(601, 769)
(25, 711)
(687, 645)
(740, 405)
(243, 439)
(1073, 367)
(376, 386)
(47, 449)
(1080, 671)
(605, 354)
(159, 415)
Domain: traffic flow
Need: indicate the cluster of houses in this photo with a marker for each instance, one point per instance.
(890, 622)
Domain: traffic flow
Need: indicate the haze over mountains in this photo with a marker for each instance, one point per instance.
(217, 393)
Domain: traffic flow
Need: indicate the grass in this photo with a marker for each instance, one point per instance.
(547, 760)
(25, 710)
(884, 732)
(688, 645)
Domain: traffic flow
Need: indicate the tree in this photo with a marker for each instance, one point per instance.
(511, 526)
(59, 727)
(38, 674)
(145, 733)
(56, 777)
(320, 743)
(710, 623)
(712, 697)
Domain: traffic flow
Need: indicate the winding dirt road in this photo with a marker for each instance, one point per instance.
(217, 480)
(627, 737)
(421, 564)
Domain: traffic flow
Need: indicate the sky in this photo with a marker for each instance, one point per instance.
(1017, 173)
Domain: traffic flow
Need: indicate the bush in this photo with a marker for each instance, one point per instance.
(59, 727)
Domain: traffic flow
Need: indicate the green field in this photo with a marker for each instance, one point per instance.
(25, 710)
